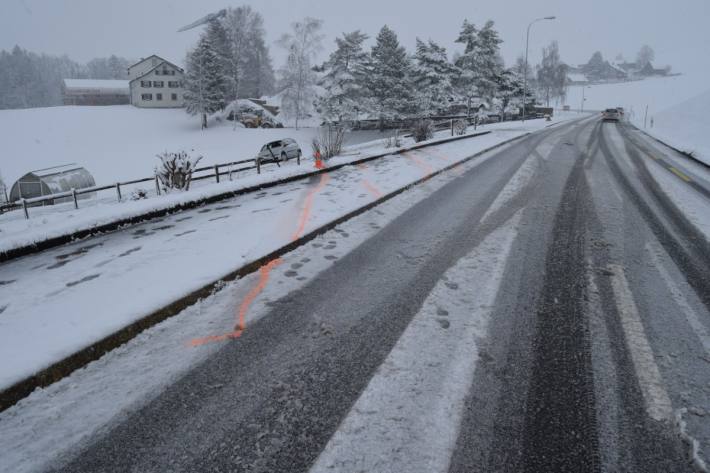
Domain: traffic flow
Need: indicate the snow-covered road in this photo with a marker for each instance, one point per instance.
(543, 307)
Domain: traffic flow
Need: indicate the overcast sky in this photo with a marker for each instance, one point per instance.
(677, 30)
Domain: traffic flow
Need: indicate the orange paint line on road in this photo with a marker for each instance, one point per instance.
(324, 178)
(264, 273)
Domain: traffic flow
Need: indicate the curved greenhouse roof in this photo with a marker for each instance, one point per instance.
(51, 181)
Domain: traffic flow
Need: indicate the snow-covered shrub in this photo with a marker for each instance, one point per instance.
(423, 130)
(394, 140)
(175, 170)
(139, 194)
(328, 142)
(460, 127)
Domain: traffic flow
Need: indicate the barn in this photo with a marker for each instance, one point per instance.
(52, 181)
(95, 92)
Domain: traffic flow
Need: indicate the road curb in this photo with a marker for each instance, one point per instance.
(54, 242)
(63, 368)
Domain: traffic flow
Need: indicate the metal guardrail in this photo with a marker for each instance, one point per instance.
(215, 173)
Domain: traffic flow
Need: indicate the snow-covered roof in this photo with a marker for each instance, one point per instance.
(97, 85)
(577, 77)
(55, 170)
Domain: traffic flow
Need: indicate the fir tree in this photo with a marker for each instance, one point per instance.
(204, 82)
(510, 90)
(343, 78)
(480, 64)
(387, 78)
(432, 76)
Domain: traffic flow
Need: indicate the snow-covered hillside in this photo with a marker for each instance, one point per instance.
(686, 126)
(657, 93)
(120, 142)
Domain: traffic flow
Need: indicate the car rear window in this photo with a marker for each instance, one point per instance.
(611, 110)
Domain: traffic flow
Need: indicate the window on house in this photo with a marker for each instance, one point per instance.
(147, 96)
(158, 96)
(145, 83)
(157, 72)
(173, 84)
(173, 96)
(158, 83)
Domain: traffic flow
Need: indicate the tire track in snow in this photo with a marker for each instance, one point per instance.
(407, 419)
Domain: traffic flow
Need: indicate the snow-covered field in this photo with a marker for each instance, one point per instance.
(119, 143)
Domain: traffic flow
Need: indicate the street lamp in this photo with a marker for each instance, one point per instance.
(583, 98)
(525, 72)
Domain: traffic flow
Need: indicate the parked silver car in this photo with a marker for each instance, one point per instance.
(280, 150)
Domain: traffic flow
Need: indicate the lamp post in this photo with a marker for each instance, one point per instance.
(583, 98)
(525, 72)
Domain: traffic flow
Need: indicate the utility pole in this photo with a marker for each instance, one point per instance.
(525, 72)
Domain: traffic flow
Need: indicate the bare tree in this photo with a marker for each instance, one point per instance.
(645, 55)
(552, 74)
(297, 76)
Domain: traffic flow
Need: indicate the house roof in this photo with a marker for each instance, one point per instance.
(96, 85)
(163, 61)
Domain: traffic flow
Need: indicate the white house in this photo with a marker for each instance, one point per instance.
(156, 83)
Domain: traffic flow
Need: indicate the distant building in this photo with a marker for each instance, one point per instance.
(95, 92)
(52, 181)
(156, 83)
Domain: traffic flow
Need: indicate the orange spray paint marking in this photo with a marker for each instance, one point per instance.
(264, 272)
(324, 178)
(366, 184)
(421, 164)
(372, 189)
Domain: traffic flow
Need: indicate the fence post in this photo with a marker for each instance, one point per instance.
(298, 158)
(258, 165)
(24, 207)
(216, 173)
(452, 127)
(157, 185)
(73, 194)
(118, 191)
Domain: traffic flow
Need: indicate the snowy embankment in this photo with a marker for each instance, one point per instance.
(61, 301)
(62, 220)
(686, 126)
